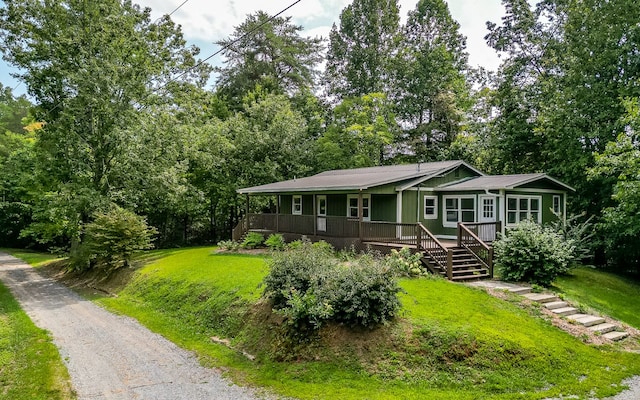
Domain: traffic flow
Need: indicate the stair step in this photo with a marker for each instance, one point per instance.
(587, 320)
(520, 290)
(603, 328)
(469, 277)
(469, 272)
(615, 335)
(552, 305)
(541, 297)
(565, 311)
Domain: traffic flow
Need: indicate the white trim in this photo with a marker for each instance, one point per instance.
(553, 203)
(518, 211)
(480, 212)
(502, 205)
(448, 224)
(399, 207)
(435, 207)
(364, 196)
(293, 204)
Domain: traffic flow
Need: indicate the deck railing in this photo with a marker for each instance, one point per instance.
(389, 232)
(439, 254)
(240, 229)
(476, 246)
(485, 231)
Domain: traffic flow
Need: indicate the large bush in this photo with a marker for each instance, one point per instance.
(533, 253)
(309, 286)
(112, 239)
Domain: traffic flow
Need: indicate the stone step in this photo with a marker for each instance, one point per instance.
(541, 297)
(603, 328)
(565, 311)
(520, 290)
(552, 305)
(615, 335)
(588, 320)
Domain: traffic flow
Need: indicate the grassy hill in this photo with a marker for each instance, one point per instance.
(452, 341)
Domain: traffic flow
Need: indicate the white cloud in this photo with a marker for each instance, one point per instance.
(210, 21)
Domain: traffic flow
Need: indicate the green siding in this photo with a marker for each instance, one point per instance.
(337, 205)
(383, 207)
(455, 175)
(307, 204)
(285, 203)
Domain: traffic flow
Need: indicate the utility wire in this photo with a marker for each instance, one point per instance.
(171, 13)
(228, 45)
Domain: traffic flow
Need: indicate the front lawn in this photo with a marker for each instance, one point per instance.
(613, 295)
(453, 342)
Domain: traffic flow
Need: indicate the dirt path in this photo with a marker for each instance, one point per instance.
(110, 356)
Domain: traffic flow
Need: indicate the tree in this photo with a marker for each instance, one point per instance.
(430, 87)
(361, 49)
(621, 222)
(359, 135)
(268, 52)
(91, 66)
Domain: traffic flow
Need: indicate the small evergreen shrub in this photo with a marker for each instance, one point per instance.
(252, 240)
(275, 241)
(533, 253)
(403, 263)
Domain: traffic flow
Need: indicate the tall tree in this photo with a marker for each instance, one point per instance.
(361, 49)
(90, 66)
(269, 52)
(430, 88)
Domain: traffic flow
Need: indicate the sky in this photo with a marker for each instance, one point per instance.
(205, 22)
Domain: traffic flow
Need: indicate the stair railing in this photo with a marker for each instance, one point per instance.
(480, 250)
(240, 229)
(428, 243)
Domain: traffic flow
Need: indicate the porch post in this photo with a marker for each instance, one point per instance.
(360, 214)
(278, 214)
(315, 217)
(502, 210)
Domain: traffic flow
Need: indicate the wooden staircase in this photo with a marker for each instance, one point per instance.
(465, 266)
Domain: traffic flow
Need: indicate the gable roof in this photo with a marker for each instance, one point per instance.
(496, 182)
(359, 178)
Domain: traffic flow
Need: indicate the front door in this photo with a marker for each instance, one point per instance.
(321, 212)
(487, 213)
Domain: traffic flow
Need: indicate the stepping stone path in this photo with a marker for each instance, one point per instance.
(561, 308)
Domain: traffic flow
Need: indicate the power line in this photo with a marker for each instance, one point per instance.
(229, 45)
(171, 13)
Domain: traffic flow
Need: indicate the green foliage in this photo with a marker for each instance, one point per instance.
(252, 240)
(275, 241)
(309, 287)
(580, 232)
(229, 245)
(112, 239)
(533, 253)
(404, 263)
(30, 365)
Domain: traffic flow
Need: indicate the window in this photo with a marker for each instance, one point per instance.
(488, 212)
(556, 204)
(296, 205)
(430, 207)
(459, 209)
(520, 208)
(352, 207)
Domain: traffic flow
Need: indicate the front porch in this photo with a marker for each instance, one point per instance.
(468, 256)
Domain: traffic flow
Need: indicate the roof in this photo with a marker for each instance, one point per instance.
(358, 178)
(495, 182)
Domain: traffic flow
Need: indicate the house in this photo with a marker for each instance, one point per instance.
(446, 209)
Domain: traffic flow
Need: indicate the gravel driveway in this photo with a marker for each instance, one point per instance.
(110, 356)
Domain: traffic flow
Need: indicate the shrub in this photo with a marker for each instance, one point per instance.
(275, 241)
(532, 253)
(580, 232)
(112, 239)
(404, 263)
(309, 287)
(324, 246)
(252, 240)
(229, 245)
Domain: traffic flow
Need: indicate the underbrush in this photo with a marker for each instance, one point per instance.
(450, 341)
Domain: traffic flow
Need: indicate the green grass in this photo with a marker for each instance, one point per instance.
(453, 342)
(31, 257)
(613, 295)
(30, 366)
